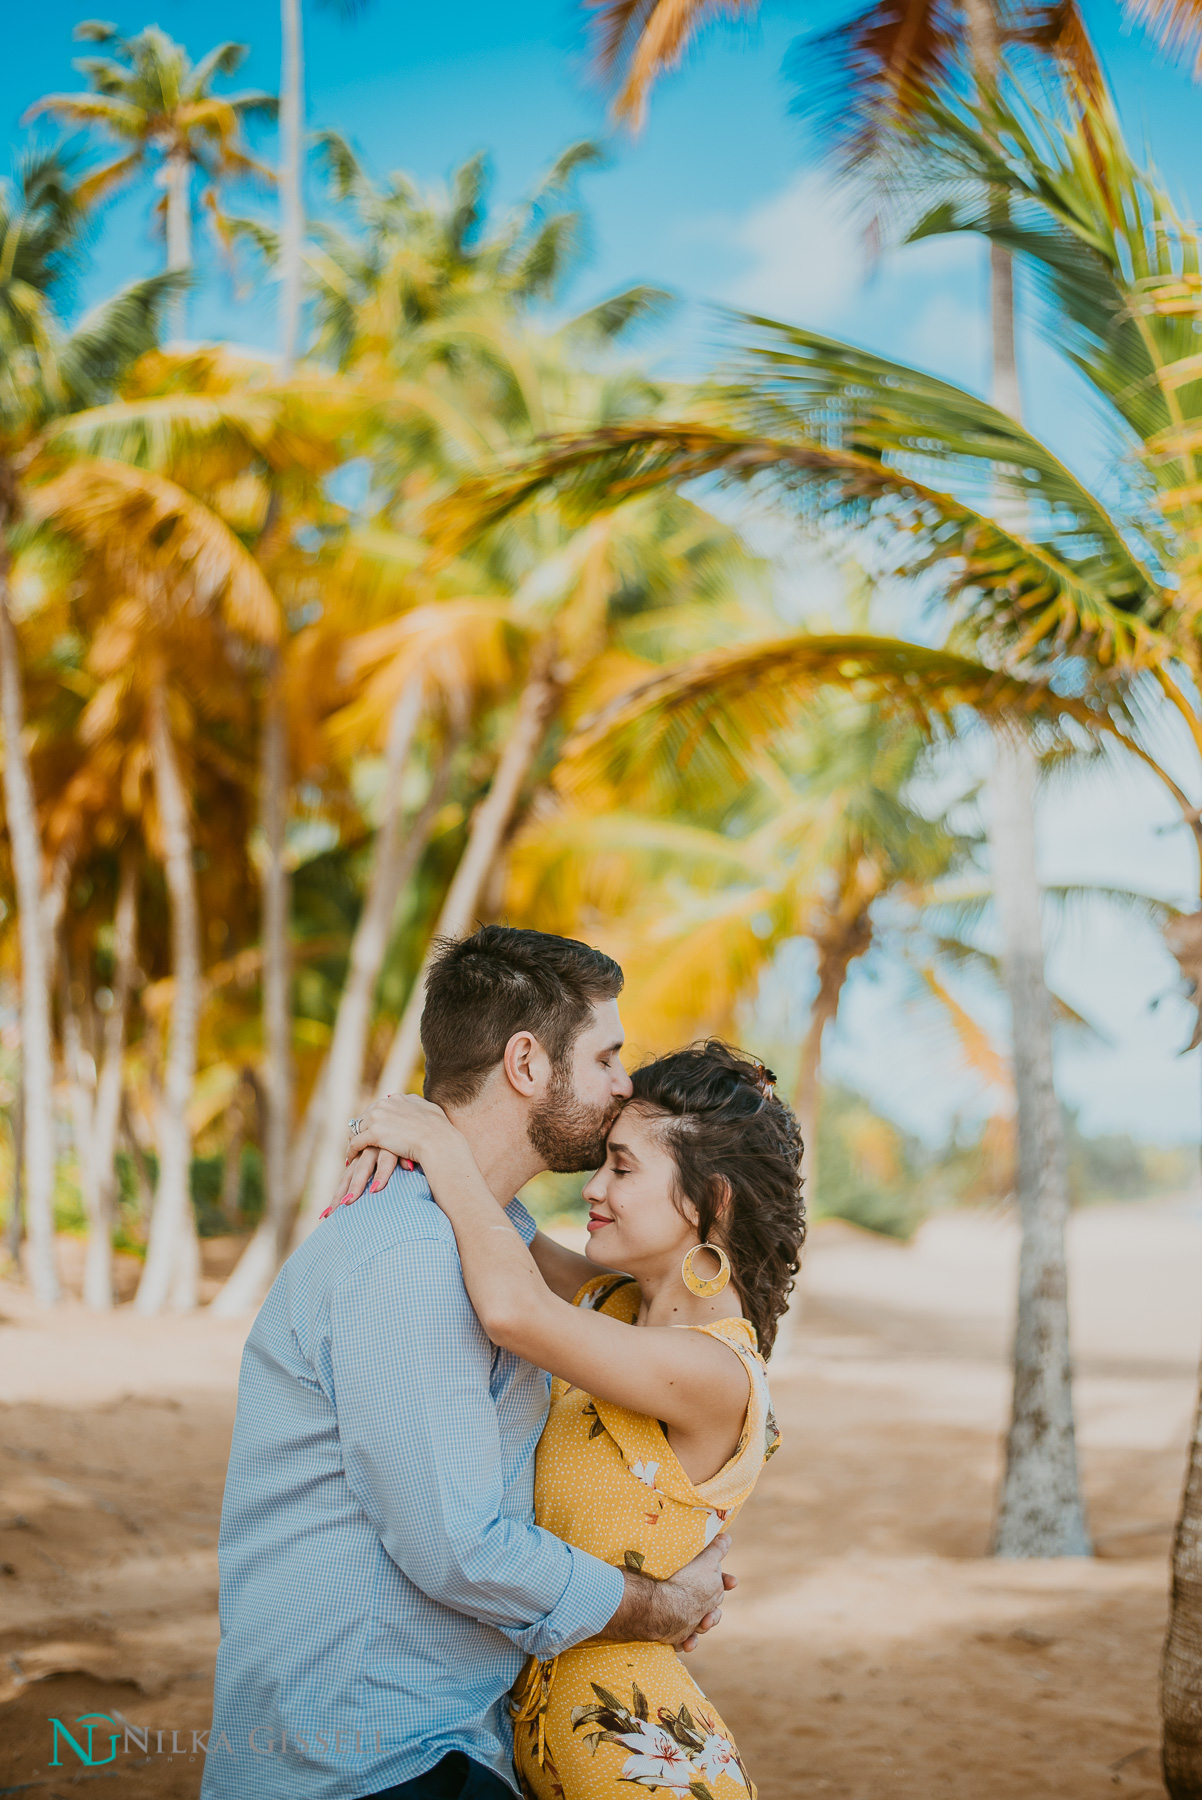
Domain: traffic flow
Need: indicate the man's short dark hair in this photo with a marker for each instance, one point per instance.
(482, 989)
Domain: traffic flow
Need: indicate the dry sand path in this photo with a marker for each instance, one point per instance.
(874, 1651)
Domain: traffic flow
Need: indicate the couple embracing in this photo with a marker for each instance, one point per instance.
(479, 1485)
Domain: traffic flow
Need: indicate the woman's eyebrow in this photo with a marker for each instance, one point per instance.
(621, 1150)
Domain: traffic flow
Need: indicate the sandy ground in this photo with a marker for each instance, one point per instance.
(873, 1651)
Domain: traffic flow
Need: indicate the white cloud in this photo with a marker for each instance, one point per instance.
(804, 250)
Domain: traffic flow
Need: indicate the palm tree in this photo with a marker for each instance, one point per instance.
(429, 306)
(1096, 593)
(44, 373)
(868, 80)
(275, 760)
(240, 452)
(816, 838)
(160, 107)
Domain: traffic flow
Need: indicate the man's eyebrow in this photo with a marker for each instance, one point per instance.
(610, 1048)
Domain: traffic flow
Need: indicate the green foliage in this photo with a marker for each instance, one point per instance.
(69, 1213)
(251, 1195)
(556, 1199)
(208, 1181)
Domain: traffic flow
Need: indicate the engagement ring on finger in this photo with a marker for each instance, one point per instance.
(355, 1126)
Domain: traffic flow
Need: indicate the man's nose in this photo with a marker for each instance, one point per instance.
(623, 1086)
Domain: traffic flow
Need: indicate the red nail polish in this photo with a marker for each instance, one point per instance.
(406, 1164)
(329, 1209)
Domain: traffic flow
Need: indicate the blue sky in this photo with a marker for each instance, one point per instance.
(723, 198)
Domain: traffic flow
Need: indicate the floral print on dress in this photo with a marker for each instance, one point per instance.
(675, 1751)
(713, 1525)
(574, 1739)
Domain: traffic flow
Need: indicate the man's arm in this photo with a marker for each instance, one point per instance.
(675, 1611)
(564, 1271)
(421, 1447)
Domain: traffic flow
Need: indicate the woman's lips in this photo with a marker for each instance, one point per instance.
(596, 1222)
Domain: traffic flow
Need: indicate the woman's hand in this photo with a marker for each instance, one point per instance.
(402, 1128)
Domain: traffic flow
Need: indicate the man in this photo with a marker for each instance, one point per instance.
(382, 1580)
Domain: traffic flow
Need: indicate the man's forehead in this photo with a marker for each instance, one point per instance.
(605, 1024)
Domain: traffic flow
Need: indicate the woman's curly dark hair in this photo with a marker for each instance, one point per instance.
(726, 1130)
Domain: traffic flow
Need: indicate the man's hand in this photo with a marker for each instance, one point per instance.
(675, 1611)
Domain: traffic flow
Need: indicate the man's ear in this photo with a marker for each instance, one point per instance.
(525, 1064)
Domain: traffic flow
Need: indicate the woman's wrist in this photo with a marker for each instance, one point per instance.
(455, 1178)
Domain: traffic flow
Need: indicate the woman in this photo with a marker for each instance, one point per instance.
(656, 1435)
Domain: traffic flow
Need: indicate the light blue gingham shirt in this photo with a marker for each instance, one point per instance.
(382, 1579)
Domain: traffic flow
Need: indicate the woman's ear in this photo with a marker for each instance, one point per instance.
(723, 1198)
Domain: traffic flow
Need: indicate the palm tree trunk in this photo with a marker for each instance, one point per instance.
(807, 1094)
(179, 232)
(231, 1174)
(1180, 1680)
(256, 1268)
(489, 825)
(98, 1267)
(396, 859)
(172, 1256)
(80, 1072)
(1181, 1664)
(37, 1057)
(1006, 394)
(291, 171)
(277, 967)
(14, 1229)
(1040, 1511)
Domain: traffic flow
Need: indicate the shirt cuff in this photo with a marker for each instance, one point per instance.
(521, 1221)
(592, 1597)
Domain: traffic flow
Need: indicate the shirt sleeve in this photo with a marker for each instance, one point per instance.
(421, 1447)
(523, 1224)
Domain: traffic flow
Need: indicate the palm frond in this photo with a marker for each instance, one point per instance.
(1178, 25)
(160, 542)
(111, 338)
(1057, 185)
(638, 40)
(863, 79)
(610, 319)
(1080, 586)
(714, 708)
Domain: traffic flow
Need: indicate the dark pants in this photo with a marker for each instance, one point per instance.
(456, 1777)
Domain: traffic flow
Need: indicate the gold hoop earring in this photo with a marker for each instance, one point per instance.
(696, 1284)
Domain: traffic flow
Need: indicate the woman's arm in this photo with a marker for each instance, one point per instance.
(684, 1378)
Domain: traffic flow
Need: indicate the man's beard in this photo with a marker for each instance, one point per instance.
(568, 1135)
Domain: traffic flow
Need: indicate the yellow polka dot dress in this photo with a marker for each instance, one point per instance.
(603, 1717)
